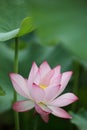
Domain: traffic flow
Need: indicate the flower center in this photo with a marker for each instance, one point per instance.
(43, 86)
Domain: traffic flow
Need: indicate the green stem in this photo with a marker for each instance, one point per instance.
(76, 67)
(16, 56)
(16, 116)
(35, 122)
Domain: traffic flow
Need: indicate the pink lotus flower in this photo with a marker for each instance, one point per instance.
(42, 90)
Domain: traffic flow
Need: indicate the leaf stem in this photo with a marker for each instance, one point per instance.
(16, 56)
(16, 116)
(35, 122)
(76, 67)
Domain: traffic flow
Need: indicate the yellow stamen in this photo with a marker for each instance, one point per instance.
(43, 86)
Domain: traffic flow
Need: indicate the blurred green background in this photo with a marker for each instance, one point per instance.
(57, 33)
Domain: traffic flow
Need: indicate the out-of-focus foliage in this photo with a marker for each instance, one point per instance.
(2, 92)
(56, 21)
(80, 119)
